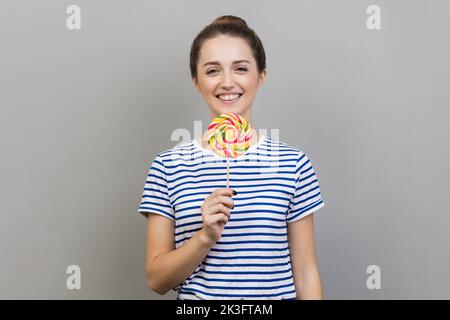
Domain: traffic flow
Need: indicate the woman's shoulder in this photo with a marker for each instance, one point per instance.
(290, 151)
(274, 143)
(180, 149)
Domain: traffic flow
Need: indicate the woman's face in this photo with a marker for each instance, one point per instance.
(227, 75)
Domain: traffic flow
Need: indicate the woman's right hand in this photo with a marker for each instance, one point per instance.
(216, 212)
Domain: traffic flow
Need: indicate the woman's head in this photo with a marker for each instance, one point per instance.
(227, 58)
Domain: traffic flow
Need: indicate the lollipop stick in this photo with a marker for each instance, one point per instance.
(228, 172)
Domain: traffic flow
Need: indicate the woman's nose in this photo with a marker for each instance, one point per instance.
(227, 81)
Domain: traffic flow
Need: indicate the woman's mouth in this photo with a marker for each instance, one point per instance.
(229, 98)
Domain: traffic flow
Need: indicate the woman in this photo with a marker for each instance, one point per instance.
(254, 240)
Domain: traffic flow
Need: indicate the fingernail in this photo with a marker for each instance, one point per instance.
(234, 192)
(233, 207)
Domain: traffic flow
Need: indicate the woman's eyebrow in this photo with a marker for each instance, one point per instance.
(218, 63)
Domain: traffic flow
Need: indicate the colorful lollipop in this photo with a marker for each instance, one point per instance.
(229, 135)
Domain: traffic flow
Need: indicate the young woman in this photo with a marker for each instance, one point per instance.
(254, 240)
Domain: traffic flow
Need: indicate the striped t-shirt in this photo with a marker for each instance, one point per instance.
(275, 183)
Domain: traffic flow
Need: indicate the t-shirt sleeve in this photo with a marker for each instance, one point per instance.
(155, 197)
(307, 197)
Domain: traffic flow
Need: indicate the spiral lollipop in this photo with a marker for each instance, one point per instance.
(229, 135)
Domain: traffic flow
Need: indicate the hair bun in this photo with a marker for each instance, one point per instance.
(229, 19)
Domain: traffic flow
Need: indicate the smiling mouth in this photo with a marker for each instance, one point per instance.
(229, 98)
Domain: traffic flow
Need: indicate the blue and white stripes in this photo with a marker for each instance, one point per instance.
(276, 185)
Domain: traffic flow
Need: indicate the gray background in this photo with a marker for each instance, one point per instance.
(84, 112)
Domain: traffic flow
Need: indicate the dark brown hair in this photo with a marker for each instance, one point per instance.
(235, 27)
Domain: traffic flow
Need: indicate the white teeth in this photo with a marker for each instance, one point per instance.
(229, 97)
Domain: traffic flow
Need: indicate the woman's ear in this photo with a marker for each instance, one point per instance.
(194, 81)
(262, 78)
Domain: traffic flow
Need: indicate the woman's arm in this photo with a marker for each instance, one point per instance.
(167, 267)
(304, 265)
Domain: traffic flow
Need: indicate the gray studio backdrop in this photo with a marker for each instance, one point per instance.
(84, 112)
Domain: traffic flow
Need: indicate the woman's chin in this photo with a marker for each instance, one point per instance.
(219, 108)
(236, 108)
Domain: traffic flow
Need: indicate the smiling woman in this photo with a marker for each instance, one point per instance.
(228, 65)
(255, 240)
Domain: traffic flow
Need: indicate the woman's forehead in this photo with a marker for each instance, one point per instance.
(225, 49)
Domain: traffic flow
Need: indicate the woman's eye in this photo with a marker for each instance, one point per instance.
(242, 69)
